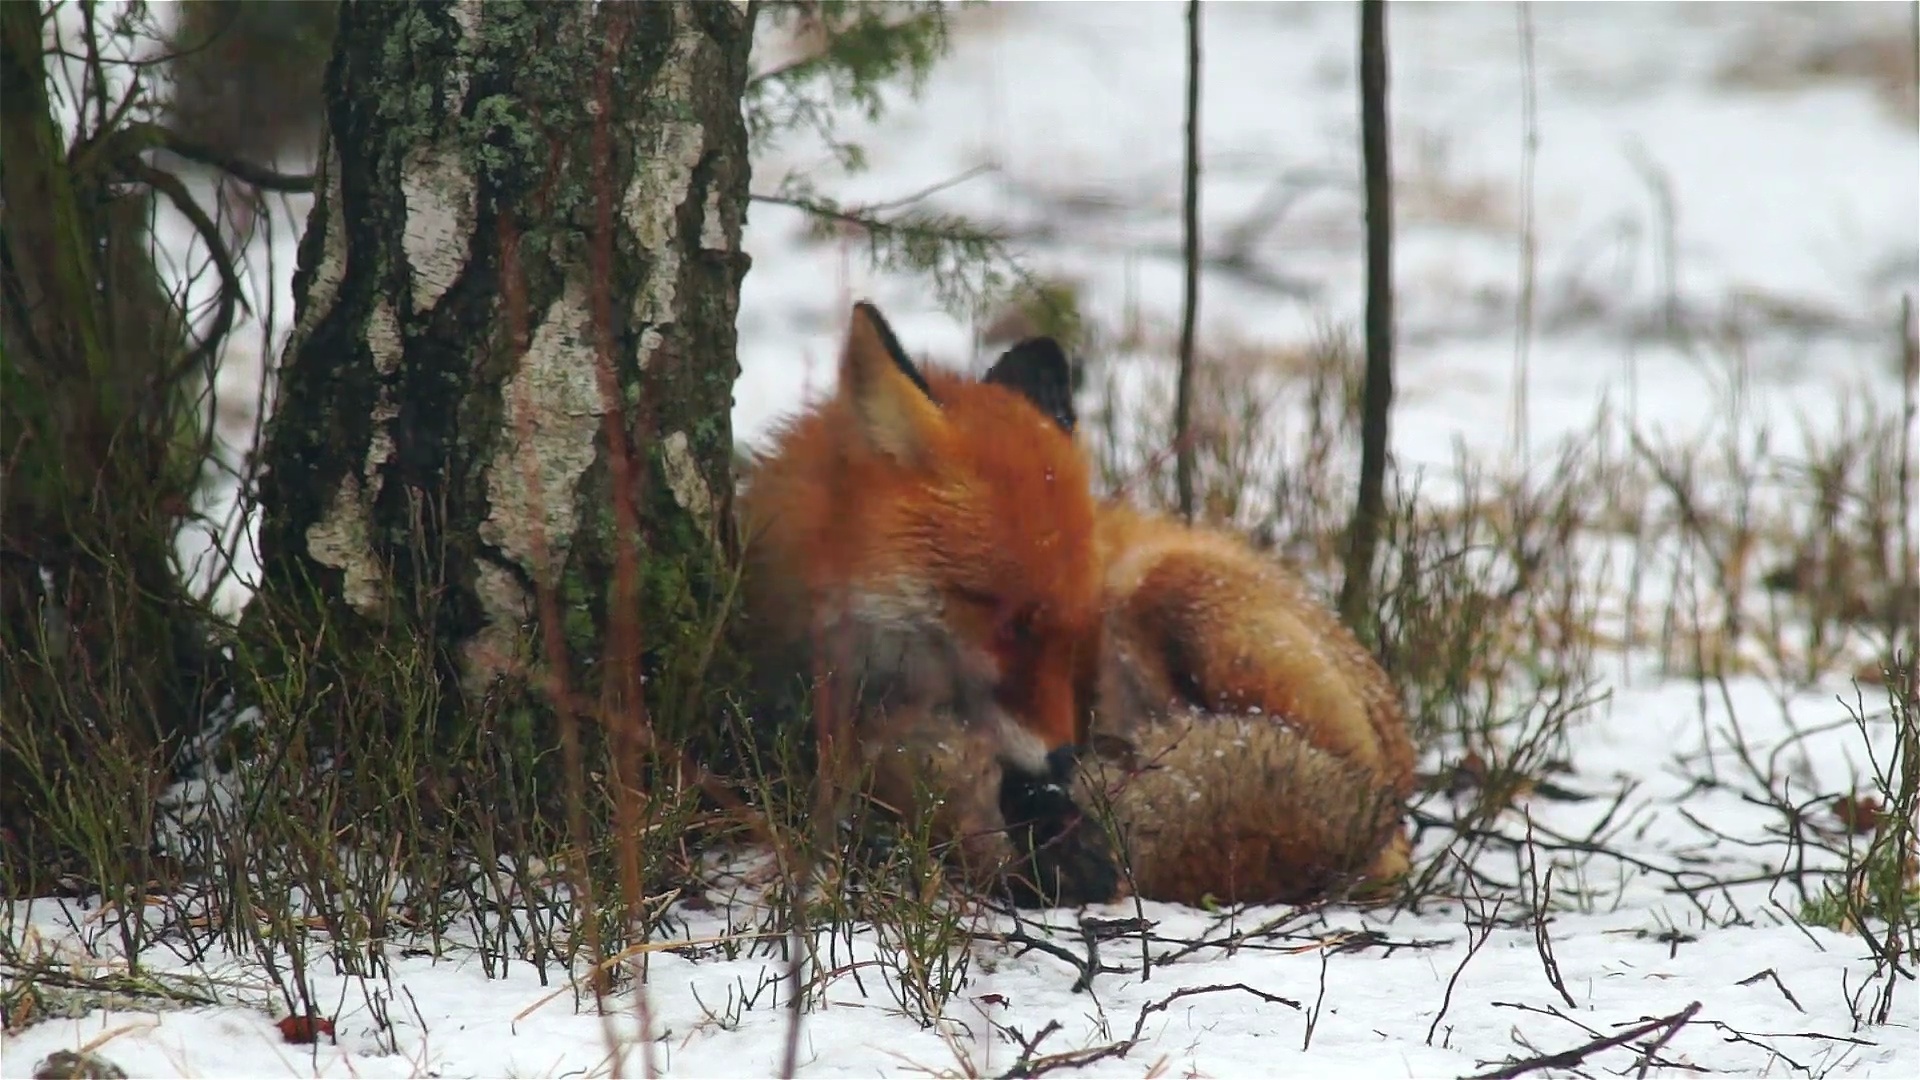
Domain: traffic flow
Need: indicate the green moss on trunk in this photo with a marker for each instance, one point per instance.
(439, 448)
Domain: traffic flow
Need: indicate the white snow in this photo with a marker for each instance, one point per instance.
(1803, 196)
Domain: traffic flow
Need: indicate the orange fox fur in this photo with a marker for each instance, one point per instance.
(931, 539)
(932, 542)
(1253, 750)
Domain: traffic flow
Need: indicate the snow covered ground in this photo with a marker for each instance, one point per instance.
(1433, 994)
(1775, 217)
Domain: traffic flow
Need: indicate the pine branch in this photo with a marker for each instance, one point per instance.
(965, 261)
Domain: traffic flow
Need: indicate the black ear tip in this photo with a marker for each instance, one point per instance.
(1043, 353)
(1038, 369)
(892, 344)
(865, 309)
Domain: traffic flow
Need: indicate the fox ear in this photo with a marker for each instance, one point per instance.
(892, 403)
(1037, 370)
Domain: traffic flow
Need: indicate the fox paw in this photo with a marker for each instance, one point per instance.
(1064, 860)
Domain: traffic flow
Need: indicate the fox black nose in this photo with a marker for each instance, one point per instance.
(1060, 762)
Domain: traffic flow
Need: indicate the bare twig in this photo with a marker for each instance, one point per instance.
(1149, 1009)
(623, 703)
(1666, 210)
(1319, 1001)
(1086, 968)
(1771, 974)
(1031, 1063)
(1592, 1032)
(1909, 384)
(201, 355)
(1475, 939)
(1540, 895)
(1652, 1050)
(1568, 1058)
(258, 176)
(904, 201)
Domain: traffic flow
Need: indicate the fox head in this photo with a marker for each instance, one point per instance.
(948, 524)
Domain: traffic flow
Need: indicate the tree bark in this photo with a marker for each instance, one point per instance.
(523, 257)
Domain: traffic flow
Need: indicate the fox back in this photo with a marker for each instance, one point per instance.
(926, 542)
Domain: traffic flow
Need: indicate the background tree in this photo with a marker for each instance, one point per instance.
(1363, 532)
(1190, 257)
(846, 55)
(105, 661)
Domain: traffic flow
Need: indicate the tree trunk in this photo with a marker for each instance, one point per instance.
(1190, 306)
(1363, 534)
(523, 263)
(104, 666)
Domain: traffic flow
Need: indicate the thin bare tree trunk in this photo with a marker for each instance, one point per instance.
(1364, 531)
(1190, 224)
(1900, 610)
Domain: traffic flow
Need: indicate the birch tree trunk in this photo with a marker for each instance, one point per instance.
(523, 259)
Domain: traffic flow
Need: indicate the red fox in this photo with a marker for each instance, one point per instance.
(930, 543)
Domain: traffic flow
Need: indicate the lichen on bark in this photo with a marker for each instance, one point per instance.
(553, 412)
(439, 195)
(440, 442)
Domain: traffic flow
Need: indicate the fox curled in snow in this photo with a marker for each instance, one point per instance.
(1025, 667)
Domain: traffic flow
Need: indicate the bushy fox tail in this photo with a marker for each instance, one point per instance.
(1255, 751)
(1243, 810)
